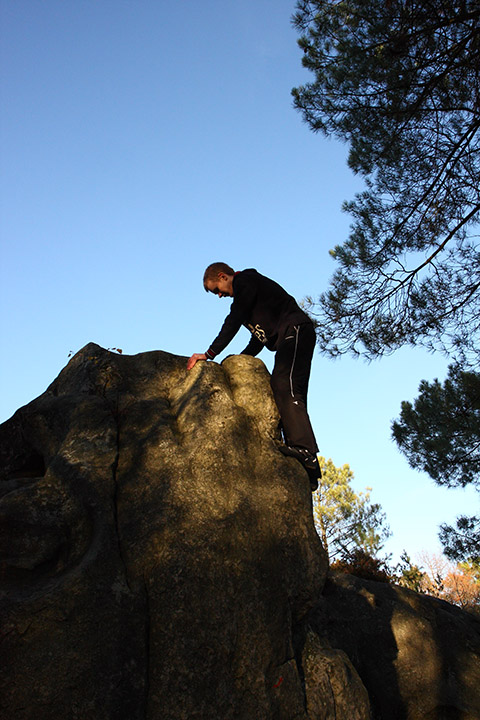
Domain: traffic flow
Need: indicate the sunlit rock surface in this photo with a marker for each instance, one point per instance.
(157, 551)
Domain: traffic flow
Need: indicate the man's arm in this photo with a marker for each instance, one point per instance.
(253, 347)
(230, 327)
(245, 295)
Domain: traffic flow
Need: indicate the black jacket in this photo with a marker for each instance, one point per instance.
(262, 306)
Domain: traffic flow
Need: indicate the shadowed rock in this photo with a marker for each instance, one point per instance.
(158, 561)
(417, 656)
(157, 549)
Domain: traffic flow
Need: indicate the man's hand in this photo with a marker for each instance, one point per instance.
(194, 359)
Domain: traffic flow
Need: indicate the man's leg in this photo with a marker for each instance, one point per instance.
(289, 382)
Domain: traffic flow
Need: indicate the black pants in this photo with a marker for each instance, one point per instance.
(289, 382)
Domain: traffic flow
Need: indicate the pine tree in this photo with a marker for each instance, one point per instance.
(346, 520)
(399, 81)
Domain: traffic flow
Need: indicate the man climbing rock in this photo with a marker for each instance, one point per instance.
(277, 322)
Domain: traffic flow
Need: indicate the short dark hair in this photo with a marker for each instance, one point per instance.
(213, 271)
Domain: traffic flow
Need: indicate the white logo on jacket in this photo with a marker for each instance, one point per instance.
(258, 332)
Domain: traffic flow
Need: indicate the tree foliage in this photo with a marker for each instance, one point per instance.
(462, 543)
(359, 563)
(407, 574)
(346, 521)
(440, 434)
(457, 583)
(400, 82)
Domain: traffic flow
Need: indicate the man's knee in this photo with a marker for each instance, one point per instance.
(280, 384)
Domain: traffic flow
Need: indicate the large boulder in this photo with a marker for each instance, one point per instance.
(159, 561)
(417, 656)
(157, 551)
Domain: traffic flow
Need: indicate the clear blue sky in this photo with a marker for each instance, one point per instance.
(142, 140)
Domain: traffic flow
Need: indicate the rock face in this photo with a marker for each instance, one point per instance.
(158, 551)
(418, 657)
(158, 561)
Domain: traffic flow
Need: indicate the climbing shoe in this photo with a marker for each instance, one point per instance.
(309, 461)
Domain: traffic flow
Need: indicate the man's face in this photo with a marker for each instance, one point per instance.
(222, 286)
